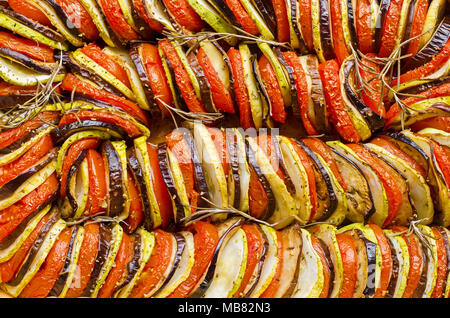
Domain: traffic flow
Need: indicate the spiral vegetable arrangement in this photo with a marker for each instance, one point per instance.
(351, 201)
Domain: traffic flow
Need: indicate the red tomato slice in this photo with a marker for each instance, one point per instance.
(275, 283)
(270, 81)
(80, 18)
(350, 264)
(442, 155)
(372, 98)
(283, 28)
(340, 48)
(73, 83)
(116, 20)
(390, 27)
(28, 47)
(438, 122)
(86, 260)
(206, 239)
(153, 24)
(14, 215)
(363, 23)
(242, 17)
(182, 79)
(157, 76)
(326, 269)
(220, 94)
(120, 263)
(240, 89)
(386, 261)
(420, 13)
(8, 89)
(338, 115)
(9, 268)
(219, 139)
(155, 268)
(69, 158)
(136, 214)
(27, 9)
(110, 118)
(304, 7)
(258, 200)
(42, 283)
(11, 170)
(184, 15)
(94, 52)
(302, 90)
(97, 183)
(393, 193)
(441, 276)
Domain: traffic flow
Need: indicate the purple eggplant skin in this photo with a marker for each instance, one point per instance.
(138, 175)
(351, 24)
(234, 165)
(395, 272)
(72, 171)
(292, 85)
(408, 26)
(371, 252)
(265, 8)
(384, 6)
(37, 66)
(64, 131)
(113, 168)
(375, 121)
(225, 9)
(10, 187)
(207, 280)
(325, 30)
(415, 90)
(104, 245)
(142, 27)
(11, 100)
(295, 24)
(317, 95)
(434, 46)
(205, 90)
(19, 143)
(32, 254)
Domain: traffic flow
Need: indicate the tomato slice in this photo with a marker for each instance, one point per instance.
(240, 89)
(110, 118)
(393, 193)
(116, 20)
(304, 7)
(41, 284)
(275, 283)
(136, 214)
(206, 239)
(420, 13)
(390, 147)
(258, 200)
(8, 137)
(338, 115)
(94, 52)
(326, 269)
(120, 263)
(159, 187)
(219, 139)
(220, 94)
(27, 9)
(73, 83)
(155, 268)
(9, 268)
(386, 261)
(69, 158)
(339, 45)
(283, 28)
(97, 183)
(28, 47)
(11, 170)
(80, 18)
(184, 15)
(321, 148)
(442, 155)
(153, 24)
(441, 264)
(363, 23)
(14, 215)
(255, 247)
(86, 260)
(157, 77)
(182, 79)
(242, 17)
(270, 81)
(302, 90)
(390, 27)
(438, 122)
(349, 262)
(373, 99)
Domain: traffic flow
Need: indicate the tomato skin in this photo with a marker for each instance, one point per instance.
(275, 283)
(219, 138)
(157, 77)
(240, 89)
(220, 94)
(420, 13)
(182, 79)
(14, 215)
(442, 155)
(97, 183)
(153, 24)
(116, 20)
(442, 264)
(302, 90)
(28, 47)
(258, 200)
(42, 283)
(136, 214)
(386, 263)
(283, 29)
(69, 158)
(373, 99)
(363, 26)
(326, 269)
(184, 14)
(30, 11)
(86, 260)
(11, 170)
(306, 23)
(338, 115)
(80, 18)
(389, 31)
(438, 122)
(340, 48)
(94, 52)
(242, 17)
(73, 83)
(115, 275)
(206, 239)
(350, 263)
(154, 269)
(272, 86)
